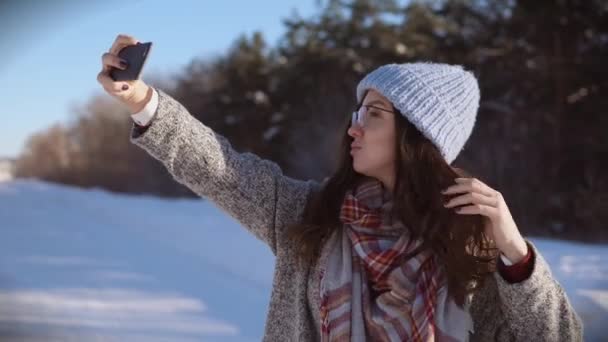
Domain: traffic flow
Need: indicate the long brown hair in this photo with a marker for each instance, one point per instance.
(421, 173)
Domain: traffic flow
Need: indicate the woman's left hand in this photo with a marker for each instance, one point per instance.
(479, 199)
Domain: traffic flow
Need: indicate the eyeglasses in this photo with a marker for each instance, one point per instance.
(365, 115)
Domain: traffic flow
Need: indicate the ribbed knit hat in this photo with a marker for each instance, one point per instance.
(441, 100)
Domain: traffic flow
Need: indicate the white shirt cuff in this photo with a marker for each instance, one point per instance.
(505, 260)
(144, 116)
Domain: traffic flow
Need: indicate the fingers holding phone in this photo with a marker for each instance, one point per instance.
(121, 69)
(122, 41)
(110, 61)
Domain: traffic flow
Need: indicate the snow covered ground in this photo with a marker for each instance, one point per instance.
(89, 265)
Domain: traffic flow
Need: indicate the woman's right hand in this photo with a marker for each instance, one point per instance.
(134, 94)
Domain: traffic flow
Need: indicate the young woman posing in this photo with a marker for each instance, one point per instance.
(396, 245)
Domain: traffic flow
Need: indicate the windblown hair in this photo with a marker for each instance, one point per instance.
(421, 173)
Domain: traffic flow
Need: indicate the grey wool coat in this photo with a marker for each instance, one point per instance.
(265, 202)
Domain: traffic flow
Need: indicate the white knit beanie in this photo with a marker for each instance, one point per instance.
(441, 100)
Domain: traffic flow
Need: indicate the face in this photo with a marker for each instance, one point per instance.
(373, 146)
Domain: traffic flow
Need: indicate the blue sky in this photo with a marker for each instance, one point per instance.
(52, 54)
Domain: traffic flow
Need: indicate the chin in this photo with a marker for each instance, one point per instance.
(359, 169)
(366, 170)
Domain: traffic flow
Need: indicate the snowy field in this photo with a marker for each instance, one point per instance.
(88, 265)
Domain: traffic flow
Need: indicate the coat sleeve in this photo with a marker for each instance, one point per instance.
(252, 190)
(537, 308)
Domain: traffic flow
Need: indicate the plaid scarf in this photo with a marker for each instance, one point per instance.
(367, 294)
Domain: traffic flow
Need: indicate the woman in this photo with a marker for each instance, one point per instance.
(397, 244)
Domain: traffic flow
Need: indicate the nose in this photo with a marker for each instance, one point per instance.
(355, 131)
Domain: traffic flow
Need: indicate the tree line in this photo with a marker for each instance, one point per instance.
(541, 132)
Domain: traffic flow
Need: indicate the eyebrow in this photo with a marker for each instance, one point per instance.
(371, 103)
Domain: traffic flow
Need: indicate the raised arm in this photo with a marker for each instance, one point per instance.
(251, 189)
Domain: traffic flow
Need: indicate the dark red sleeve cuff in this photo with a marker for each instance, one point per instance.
(517, 272)
(140, 129)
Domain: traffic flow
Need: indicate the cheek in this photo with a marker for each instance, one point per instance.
(383, 147)
(380, 152)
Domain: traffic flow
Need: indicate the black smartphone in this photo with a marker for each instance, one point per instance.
(136, 56)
